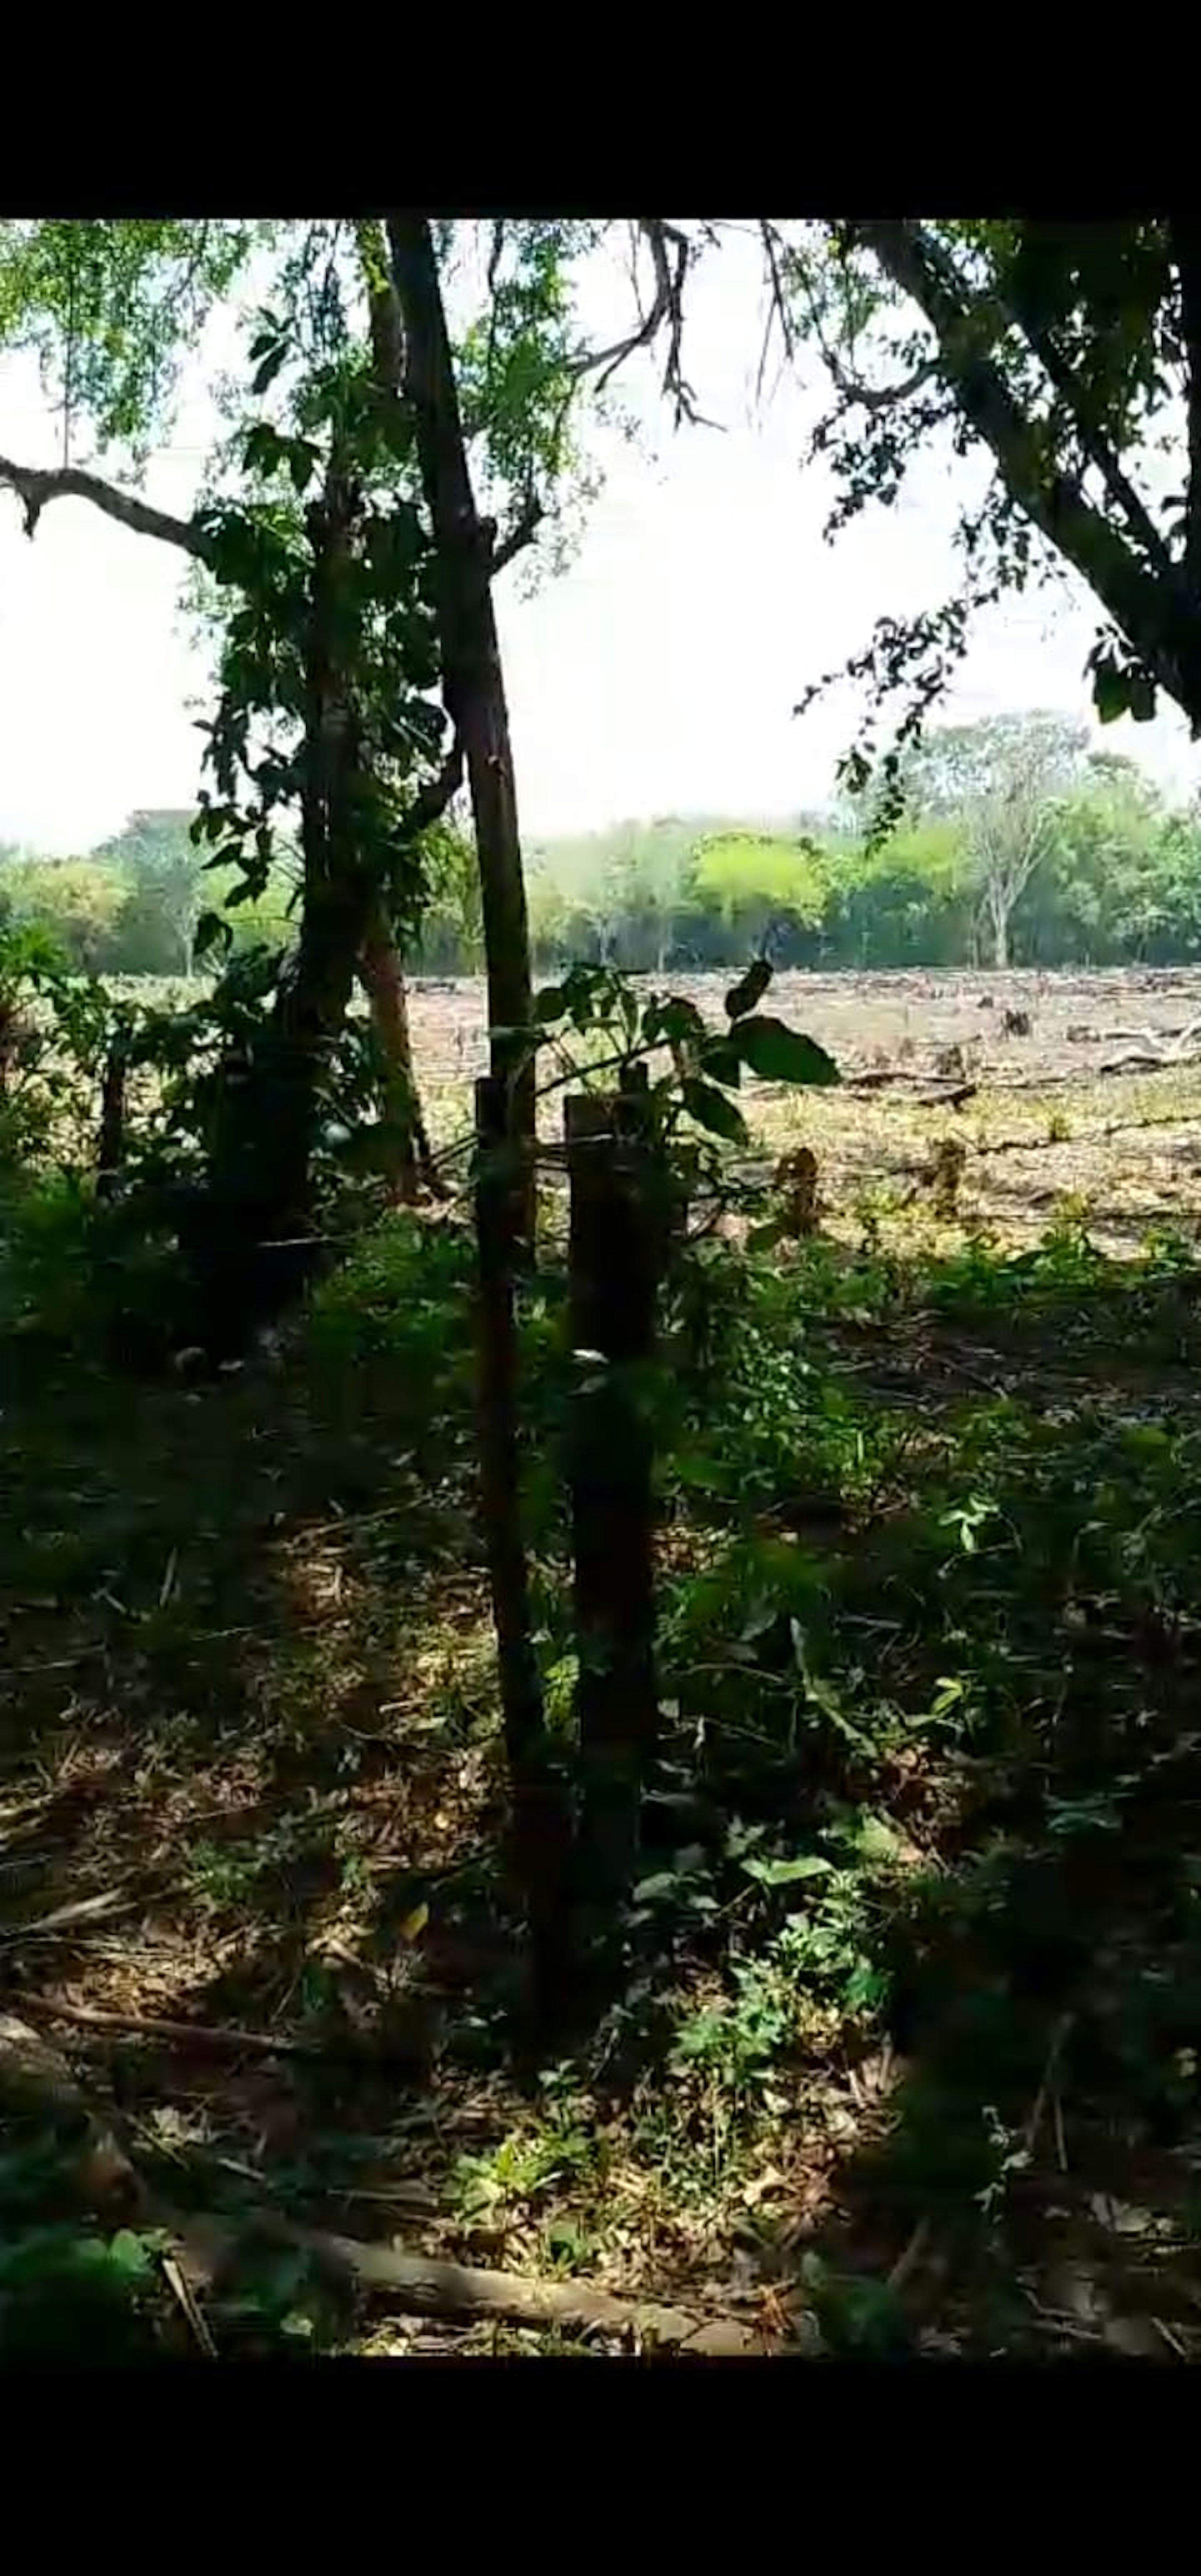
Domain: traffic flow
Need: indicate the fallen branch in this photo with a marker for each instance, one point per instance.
(36, 2084)
(949, 1093)
(954, 1098)
(213, 2041)
(38, 2090)
(85, 1909)
(1139, 1060)
(424, 2285)
(882, 1076)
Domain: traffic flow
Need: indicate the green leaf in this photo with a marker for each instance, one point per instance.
(266, 373)
(212, 931)
(721, 1062)
(550, 1004)
(787, 1873)
(130, 2255)
(713, 1111)
(749, 989)
(1142, 698)
(303, 461)
(262, 448)
(780, 1054)
(677, 1021)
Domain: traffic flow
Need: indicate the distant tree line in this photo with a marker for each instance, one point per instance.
(131, 906)
(1018, 844)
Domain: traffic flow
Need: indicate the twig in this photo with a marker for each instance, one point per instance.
(182, 2295)
(1060, 2145)
(522, 533)
(1044, 2323)
(1054, 2053)
(85, 1909)
(307, 1530)
(907, 2261)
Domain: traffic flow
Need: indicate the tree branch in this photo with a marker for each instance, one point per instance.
(521, 534)
(1052, 498)
(431, 801)
(1095, 445)
(671, 252)
(850, 388)
(70, 483)
(1184, 242)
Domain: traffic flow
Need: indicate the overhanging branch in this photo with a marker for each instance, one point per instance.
(671, 253)
(849, 387)
(1051, 497)
(1184, 239)
(1094, 444)
(35, 488)
(521, 534)
(431, 801)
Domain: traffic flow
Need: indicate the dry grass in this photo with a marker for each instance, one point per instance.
(1044, 1123)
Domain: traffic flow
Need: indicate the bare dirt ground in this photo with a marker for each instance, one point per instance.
(1045, 1124)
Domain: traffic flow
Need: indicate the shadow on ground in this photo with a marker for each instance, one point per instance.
(249, 1724)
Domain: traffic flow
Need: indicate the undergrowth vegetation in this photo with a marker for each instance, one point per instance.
(902, 2043)
(611, 1692)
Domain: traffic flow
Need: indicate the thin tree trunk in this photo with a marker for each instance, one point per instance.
(312, 1003)
(615, 1259)
(381, 973)
(472, 678)
(541, 1822)
(110, 1150)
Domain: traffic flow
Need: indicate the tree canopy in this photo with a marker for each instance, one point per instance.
(1069, 354)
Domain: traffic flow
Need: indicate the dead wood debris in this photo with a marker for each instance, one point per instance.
(38, 2088)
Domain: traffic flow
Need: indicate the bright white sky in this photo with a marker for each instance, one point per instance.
(656, 675)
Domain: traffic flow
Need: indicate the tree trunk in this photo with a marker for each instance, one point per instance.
(540, 1843)
(472, 678)
(250, 1237)
(615, 1259)
(110, 1149)
(381, 973)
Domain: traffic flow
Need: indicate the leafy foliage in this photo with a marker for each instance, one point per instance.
(111, 306)
(1070, 354)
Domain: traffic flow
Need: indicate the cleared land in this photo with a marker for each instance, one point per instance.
(1044, 1122)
